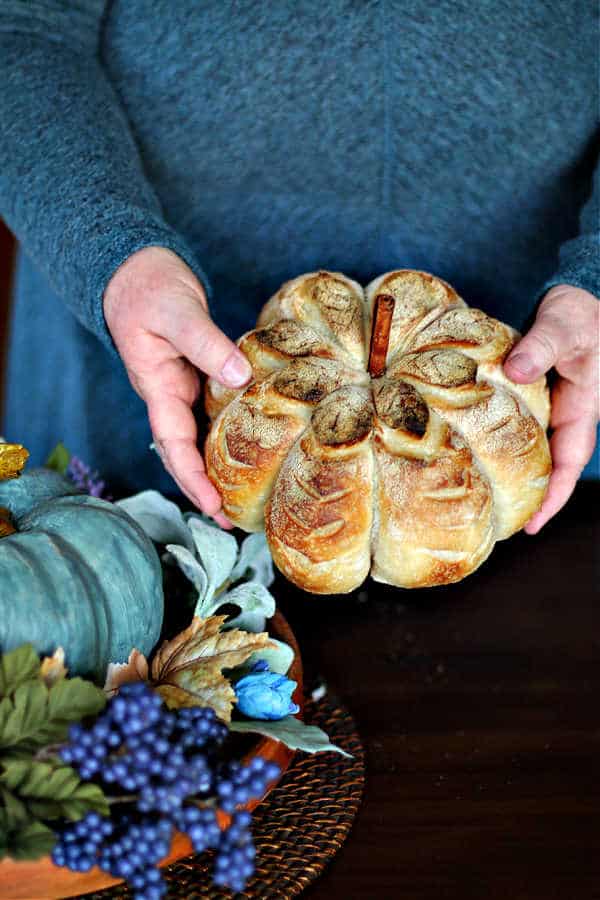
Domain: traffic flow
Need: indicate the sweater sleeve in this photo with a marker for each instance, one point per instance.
(579, 258)
(72, 185)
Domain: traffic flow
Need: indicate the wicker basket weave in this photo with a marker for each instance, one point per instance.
(298, 829)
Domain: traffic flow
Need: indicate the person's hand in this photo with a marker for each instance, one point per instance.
(565, 335)
(156, 312)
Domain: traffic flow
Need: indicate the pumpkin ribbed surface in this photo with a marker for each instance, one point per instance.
(78, 573)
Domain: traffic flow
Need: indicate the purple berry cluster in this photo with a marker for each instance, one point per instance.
(167, 771)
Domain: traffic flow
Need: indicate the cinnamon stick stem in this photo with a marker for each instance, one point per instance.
(380, 334)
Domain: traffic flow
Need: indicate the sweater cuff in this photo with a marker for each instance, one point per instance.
(127, 242)
(579, 266)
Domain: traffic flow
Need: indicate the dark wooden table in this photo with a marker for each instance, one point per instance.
(479, 707)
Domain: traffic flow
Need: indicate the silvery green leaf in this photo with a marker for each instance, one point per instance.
(216, 550)
(162, 520)
(203, 518)
(192, 570)
(254, 562)
(279, 657)
(292, 732)
(255, 602)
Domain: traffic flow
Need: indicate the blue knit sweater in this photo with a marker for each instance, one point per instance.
(259, 140)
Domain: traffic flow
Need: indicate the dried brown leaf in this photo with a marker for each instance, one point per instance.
(117, 674)
(53, 668)
(187, 671)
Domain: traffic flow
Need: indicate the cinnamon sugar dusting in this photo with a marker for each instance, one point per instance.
(346, 416)
(309, 379)
(446, 368)
(400, 406)
(460, 326)
(249, 433)
(291, 338)
(340, 307)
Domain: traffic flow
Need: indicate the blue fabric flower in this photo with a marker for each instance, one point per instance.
(265, 695)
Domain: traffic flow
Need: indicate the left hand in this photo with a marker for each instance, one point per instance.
(565, 335)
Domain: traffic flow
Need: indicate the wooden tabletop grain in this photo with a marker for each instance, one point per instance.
(479, 708)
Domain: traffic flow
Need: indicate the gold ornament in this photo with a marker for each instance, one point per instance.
(12, 460)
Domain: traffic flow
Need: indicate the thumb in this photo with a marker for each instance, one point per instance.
(541, 348)
(195, 335)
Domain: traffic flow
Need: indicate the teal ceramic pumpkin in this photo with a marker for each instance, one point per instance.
(78, 573)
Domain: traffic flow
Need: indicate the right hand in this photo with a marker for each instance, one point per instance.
(156, 311)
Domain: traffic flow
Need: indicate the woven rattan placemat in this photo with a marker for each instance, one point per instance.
(297, 830)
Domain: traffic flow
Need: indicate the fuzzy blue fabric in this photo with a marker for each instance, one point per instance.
(262, 140)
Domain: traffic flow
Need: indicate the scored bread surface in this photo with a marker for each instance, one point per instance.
(411, 477)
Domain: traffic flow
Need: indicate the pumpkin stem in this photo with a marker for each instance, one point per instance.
(6, 526)
(380, 334)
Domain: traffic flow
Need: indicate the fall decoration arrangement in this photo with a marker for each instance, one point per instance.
(379, 434)
(103, 770)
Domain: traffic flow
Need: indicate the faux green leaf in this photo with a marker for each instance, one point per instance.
(255, 562)
(217, 552)
(16, 667)
(23, 714)
(292, 732)
(255, 602)
(49, 791)
(31, 841)
(279, 656)
(14, 809)
(191, 568)
(35, 715)
(161, 519)
(59, 459)
(73, 699)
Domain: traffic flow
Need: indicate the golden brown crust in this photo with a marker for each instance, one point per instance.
(327, 301)
(244, 450)
(470, 330)
(444, 376)
(416, 473)
(435, 518)
(512, 450)
(318, 519)
(419, 298)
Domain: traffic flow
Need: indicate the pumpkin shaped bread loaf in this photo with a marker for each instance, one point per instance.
(411, 476)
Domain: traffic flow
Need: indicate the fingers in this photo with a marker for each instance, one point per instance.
(572, 445)
(156, 311)
(193, 333)
(565, 328)
(536, 353)
(175, 435)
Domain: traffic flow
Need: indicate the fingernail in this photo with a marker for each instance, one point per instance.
(523, 363)
(236, 371)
